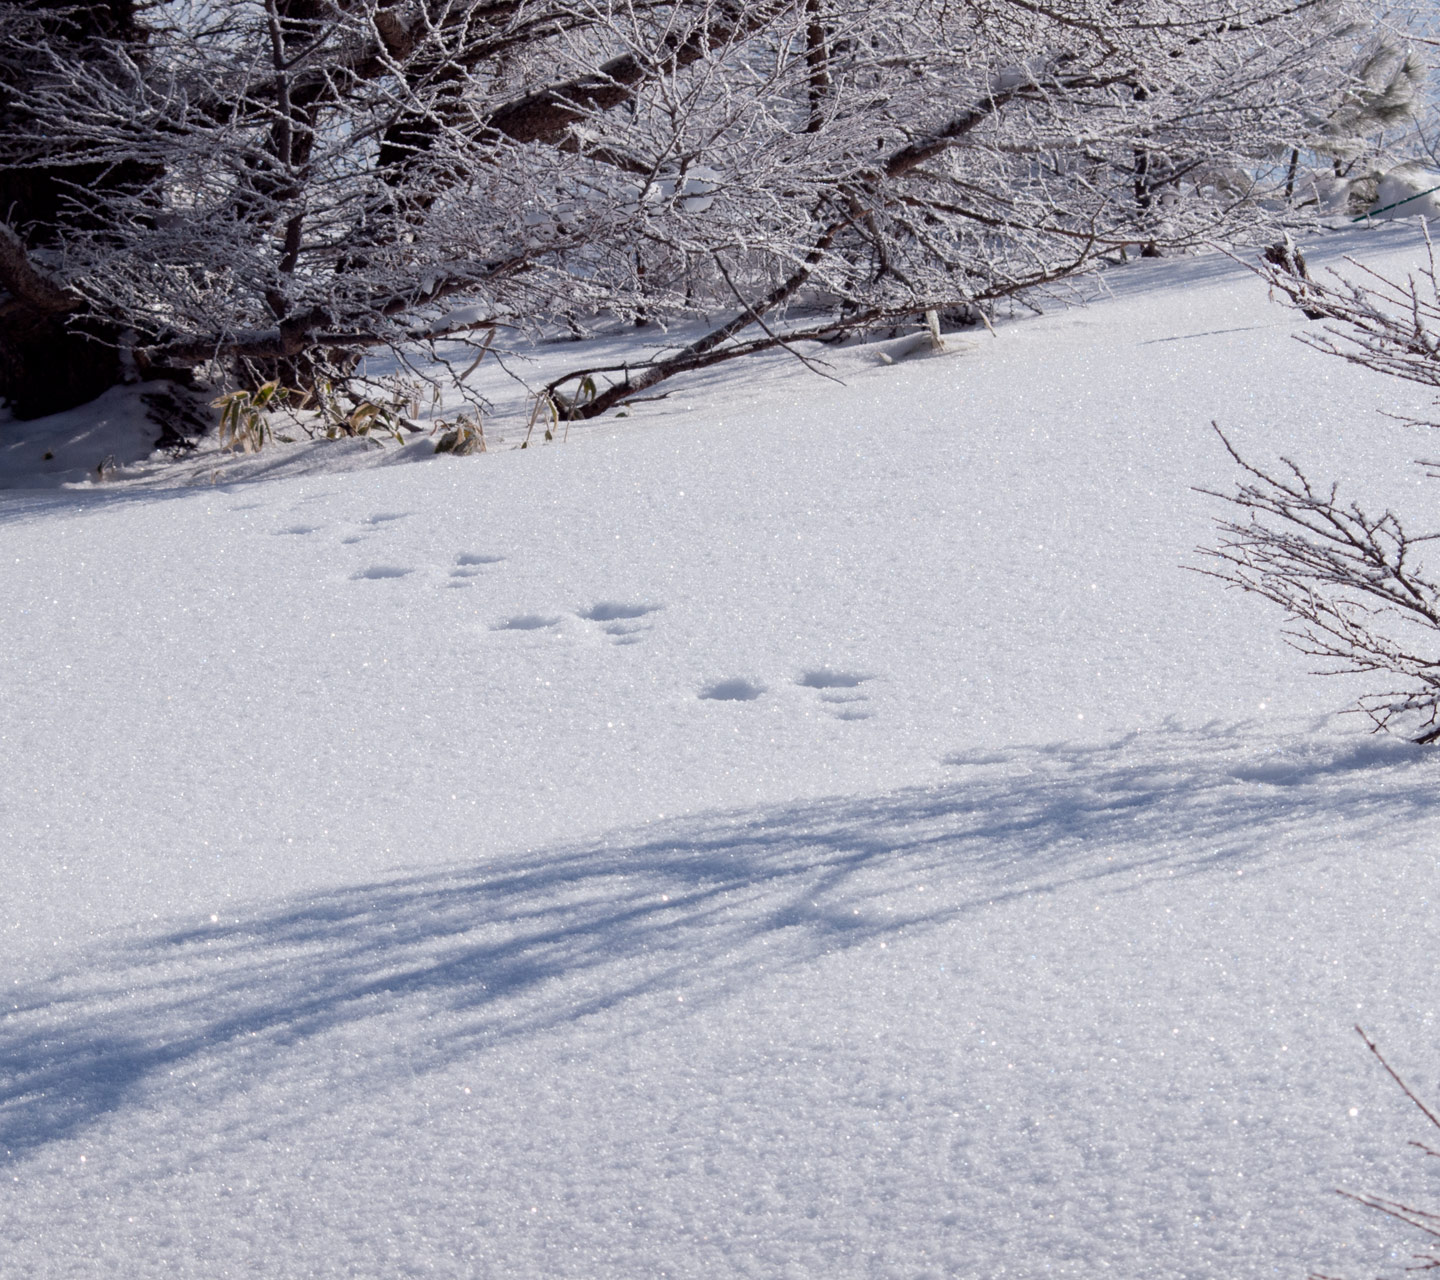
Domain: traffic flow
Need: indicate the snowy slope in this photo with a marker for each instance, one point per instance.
(799, 830)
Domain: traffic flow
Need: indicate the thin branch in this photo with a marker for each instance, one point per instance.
(1395, 1076)
(760, 320)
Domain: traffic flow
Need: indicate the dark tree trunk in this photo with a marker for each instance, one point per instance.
(52, 355)
(47, 365)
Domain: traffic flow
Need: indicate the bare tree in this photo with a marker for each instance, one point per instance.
(1352, 583)
(260, 187)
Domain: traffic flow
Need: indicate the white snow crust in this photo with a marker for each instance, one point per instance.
(800, 830)
(1409, 191)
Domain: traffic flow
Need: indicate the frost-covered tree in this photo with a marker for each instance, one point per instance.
(256, 188)
(1369, 125)
(940, 157)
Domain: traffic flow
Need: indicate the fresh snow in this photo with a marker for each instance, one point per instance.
(797, 830)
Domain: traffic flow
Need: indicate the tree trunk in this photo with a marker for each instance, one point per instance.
(47, 365)
(52, 356)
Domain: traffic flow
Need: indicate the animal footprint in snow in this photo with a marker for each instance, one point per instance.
(372, 522)
(827, 679)
(733, 690)
(840, 692)
(525, 622)
(470, 564)
(382, 571)
(622, 621)
(297, 530)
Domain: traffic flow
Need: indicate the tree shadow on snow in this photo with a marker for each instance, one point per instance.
(701, 908)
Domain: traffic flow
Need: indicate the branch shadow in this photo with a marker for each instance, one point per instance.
(475, 957)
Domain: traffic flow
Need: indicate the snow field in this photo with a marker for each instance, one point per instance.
(798, 830)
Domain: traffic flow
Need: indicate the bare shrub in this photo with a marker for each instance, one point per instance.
(1352, 582)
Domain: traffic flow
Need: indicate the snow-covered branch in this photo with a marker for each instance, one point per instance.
(259, 177)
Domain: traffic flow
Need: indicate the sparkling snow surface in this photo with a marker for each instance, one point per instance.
(798, 831)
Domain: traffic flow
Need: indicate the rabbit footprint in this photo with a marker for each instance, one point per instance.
(840, 692)
(470, 564)
(623, 622)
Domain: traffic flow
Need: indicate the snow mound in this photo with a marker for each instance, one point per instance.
(1408, 191)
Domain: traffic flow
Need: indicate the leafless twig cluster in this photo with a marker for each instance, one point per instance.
(1390, 326)
(1352, 582)
(1349, 583)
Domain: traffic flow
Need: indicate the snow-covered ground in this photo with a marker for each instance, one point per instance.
(798, 830)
